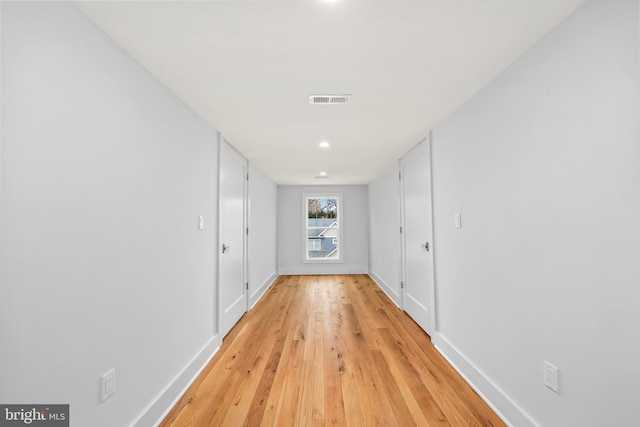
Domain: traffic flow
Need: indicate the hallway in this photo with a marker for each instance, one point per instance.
(328, 350)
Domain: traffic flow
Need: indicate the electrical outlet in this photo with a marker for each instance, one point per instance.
(551, 376)
(457, 219)
(108, 385)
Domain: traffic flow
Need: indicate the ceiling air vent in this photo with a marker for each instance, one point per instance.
(328, 99)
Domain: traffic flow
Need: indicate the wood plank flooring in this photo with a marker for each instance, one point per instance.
(328, 350)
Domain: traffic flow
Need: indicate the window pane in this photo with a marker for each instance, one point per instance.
(322, 247)
(322, 208)
(315, 232)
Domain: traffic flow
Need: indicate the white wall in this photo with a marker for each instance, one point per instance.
(263, 264)
(4, 319)
(104, 175)
(544, 165)
(384, 232)
(354, 228)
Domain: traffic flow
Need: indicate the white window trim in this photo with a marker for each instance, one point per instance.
(340, 222)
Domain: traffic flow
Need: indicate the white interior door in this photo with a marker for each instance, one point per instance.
(417, 295)
(231, 277)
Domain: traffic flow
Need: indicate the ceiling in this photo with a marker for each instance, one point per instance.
(248, 68)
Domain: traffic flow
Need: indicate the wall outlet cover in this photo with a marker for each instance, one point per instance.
(551, 376)
(107, 385)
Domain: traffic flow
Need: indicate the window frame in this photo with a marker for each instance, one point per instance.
(305, 228)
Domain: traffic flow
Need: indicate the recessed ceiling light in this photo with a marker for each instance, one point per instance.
(324, 144)
(323, 174)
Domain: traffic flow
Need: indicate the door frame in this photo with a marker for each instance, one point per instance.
(426, 142)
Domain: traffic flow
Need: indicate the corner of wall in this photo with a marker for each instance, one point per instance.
(259, 293)
(495, 397)
(388, 290)
(167, 399)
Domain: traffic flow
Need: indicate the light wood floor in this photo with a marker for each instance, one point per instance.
(328, 350)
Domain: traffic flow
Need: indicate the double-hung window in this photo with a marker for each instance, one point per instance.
(322, 227)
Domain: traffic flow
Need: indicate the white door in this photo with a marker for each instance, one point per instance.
(231, 277)
(417, 295)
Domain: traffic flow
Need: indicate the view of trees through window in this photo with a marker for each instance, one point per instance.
(322, 228)
(322, 208)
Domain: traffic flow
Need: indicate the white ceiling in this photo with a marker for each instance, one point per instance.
(247, 67)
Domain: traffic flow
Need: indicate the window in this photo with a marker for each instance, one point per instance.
(314, 244)
(322, 227)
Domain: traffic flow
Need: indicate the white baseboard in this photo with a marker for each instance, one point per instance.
(166, 400)
(253, 299)
(322, 269)
(392, 294)
(497, 399)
